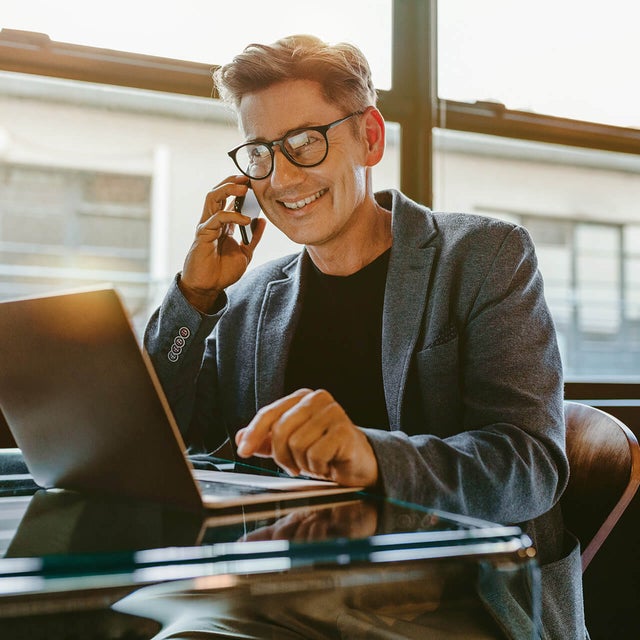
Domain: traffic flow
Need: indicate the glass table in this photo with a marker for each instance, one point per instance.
(356, 566)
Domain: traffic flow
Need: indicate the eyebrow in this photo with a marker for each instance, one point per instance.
(282, 135)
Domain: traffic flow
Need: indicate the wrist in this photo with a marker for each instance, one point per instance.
(203, 300)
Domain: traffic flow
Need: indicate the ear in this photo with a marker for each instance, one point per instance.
(374, 136)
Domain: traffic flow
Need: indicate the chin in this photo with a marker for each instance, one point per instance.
(305, 236)
(303, 239)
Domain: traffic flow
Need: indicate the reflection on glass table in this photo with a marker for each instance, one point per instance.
(353, 567)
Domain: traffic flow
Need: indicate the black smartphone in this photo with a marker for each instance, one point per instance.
(248, 205)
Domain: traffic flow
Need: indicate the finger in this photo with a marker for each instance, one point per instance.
(315, 528)
(220, 224)
(291, 434)
(313, 418)
(216, 200)
(258, 231)
(236, 178)
(264, 533)
(287, 528)
(319, 455)
(264, 450)
(250, 438)
(293, 441)
(299, 427)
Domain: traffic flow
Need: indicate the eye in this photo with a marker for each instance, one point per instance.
(257, 152)
(304, 142)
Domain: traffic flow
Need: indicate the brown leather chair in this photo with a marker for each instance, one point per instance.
(604, 463)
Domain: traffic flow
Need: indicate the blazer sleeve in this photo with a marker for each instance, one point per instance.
(505, 460)
(181, 346)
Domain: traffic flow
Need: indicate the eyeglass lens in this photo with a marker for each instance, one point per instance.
(305, 148)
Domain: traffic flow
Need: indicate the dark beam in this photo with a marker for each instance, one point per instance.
(36, 53)
(493, 118)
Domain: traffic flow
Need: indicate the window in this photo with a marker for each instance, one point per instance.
(539, 126)
(573, 59)
(495, 107)
(580, 208)
(60, 227)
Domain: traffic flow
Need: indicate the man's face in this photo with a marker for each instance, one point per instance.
(313, 205)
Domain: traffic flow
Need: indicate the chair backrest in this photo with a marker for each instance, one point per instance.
(604, 464)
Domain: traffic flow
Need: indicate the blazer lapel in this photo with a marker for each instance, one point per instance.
(406, 294)
(278, 316)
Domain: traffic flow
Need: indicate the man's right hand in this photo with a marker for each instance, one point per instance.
(216, 260)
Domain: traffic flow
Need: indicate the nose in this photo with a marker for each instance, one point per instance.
(284, 173)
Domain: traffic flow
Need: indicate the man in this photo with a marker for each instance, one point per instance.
(402, 350)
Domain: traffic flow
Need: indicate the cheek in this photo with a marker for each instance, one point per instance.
(258, 187)
(270, 213)
(354, 184)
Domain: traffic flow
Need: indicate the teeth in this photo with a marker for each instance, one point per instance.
(301, 203)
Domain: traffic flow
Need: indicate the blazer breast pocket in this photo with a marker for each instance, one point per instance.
(439, 381)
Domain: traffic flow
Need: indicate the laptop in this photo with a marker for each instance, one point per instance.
(85, 407)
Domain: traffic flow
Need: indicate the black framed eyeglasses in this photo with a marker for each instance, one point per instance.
(306, 147)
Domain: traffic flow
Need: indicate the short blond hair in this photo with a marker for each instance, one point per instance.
(341, 70)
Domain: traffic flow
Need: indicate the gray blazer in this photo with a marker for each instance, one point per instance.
(471, 371)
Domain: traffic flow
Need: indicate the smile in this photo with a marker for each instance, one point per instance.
(305, 201)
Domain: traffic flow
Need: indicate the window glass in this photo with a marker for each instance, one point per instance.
(574, 58)
(597, 278)
(581, 209)
(631, 275)
(206, 31)
(104, 184)
(113, 190)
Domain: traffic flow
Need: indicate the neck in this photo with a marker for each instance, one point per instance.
(357, 249)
